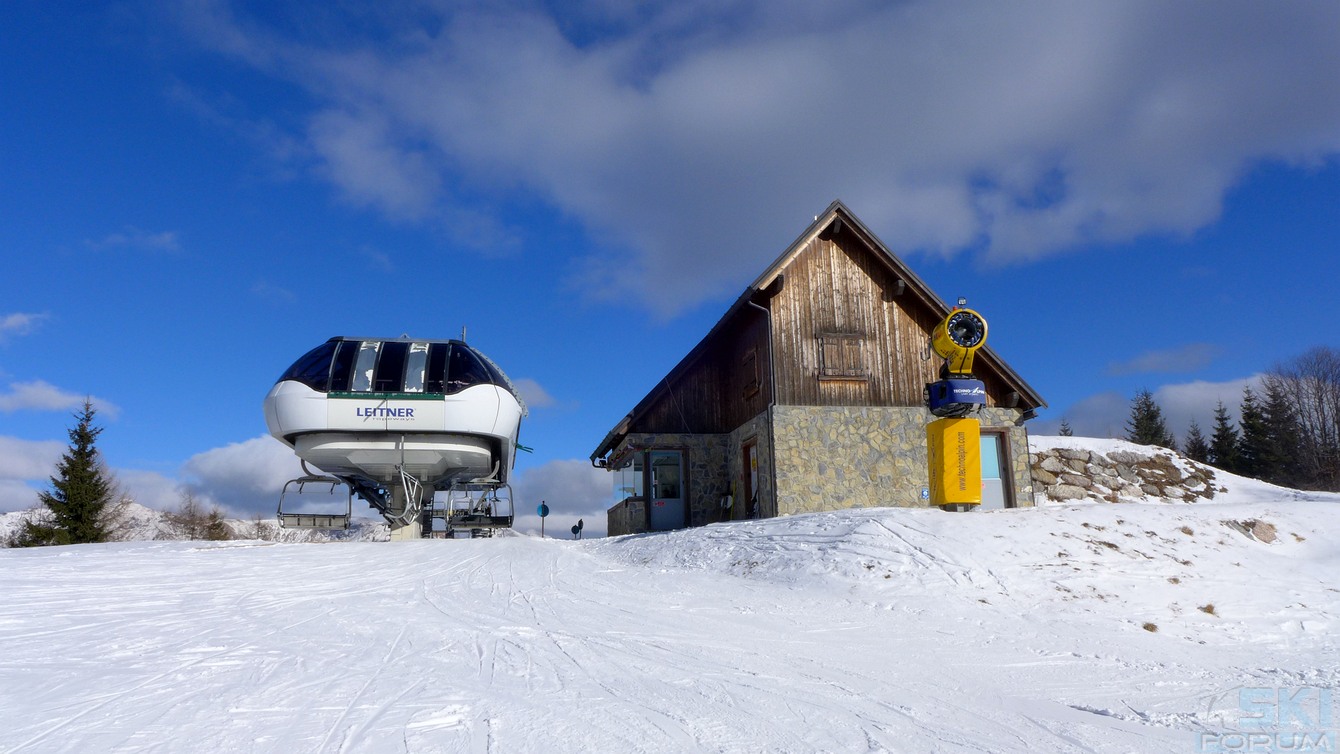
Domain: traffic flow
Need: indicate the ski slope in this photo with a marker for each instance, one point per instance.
(1069, 628)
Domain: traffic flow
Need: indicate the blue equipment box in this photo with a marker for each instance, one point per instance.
(955, 397)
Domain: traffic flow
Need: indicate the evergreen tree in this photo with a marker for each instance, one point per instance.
(1224, 441)
(216, 529)
(1283, 444)
(1146, 425)
(1195, 445)
(1254, 440)
(80, 491)
(1065, 430)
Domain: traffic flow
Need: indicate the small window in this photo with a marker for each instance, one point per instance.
(465, 369)
(341, 371)
(390, 377)
(495, 374)
(313, 369)
(364, 366)
(416, 367)
(435, 381)
(749, 365)
(842, 357)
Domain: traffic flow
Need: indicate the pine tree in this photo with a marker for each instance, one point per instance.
(1283, 446)
(80, 491)
(1224, 441)
(1065, 429)
(1146, 425)
(1196, 447)
(1254, 440)
(216, 528)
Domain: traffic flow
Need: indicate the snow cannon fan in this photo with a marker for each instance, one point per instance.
(953, 441)
(956, 340)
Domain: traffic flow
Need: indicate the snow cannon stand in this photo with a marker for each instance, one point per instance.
(955, 454)
(953, 441)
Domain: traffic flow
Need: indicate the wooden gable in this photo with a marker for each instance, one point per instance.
(851, 330)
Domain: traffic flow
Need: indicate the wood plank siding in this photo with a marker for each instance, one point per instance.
(722, 385)
(847, 333)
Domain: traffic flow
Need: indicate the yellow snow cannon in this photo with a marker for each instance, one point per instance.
(957, 338)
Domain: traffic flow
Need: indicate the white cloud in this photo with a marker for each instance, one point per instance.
(22, 464)
(363, 157)
(533, 393)
(1101, 415)
(1197, 400)
(377, 260)
(244, 477)
(1188, 358)
(43, 396)
(28, 460)
(18, 323)
(1106, 414)
(16, 495)
(572, 489)
(694, 138)
(26, 467)
(273, 293)
(149, 488)
(134, 239)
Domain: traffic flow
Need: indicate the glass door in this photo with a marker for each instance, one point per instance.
(994, 494)
(667, 490)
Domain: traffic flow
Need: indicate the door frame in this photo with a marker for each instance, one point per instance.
(684, 483)
(1004, 454)
(748, 486)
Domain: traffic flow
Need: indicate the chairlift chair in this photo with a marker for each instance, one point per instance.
(293, 520)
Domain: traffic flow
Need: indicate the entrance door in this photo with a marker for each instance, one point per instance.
(994, 492)
(667, 490)
(748, 502)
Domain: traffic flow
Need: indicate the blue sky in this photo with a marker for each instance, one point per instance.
(1136, 195)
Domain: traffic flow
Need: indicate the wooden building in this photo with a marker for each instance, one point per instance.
(808, 395)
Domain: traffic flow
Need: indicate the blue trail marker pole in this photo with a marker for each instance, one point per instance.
(542, 510)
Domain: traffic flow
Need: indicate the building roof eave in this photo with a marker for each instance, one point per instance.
(616, 435)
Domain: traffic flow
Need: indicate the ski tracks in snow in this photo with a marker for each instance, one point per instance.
(518, 644)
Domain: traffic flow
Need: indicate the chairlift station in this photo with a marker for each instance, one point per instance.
(425, 431)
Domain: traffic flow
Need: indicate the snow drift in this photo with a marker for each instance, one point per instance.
(1067, 627)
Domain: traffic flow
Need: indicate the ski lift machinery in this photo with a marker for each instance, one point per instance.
(425, 431)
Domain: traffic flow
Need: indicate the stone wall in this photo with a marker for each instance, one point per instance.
(833, 458)
(1119, 475)
(627, 517)
(758, 428)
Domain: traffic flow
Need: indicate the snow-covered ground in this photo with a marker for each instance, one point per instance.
(1087, 627)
